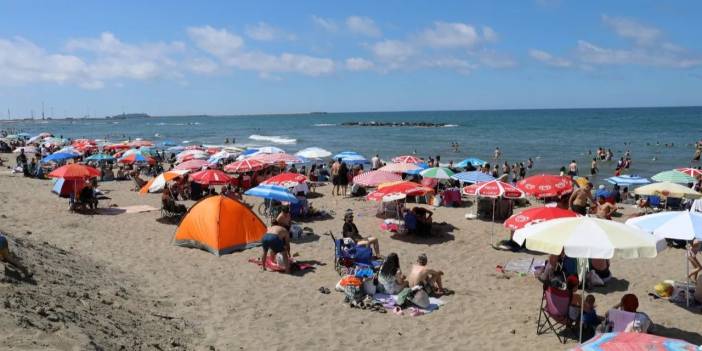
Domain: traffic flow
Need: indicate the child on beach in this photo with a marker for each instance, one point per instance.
(590, 318)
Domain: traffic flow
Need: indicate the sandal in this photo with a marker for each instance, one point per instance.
(398, 311)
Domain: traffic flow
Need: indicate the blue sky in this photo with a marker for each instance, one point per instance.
(178, 57)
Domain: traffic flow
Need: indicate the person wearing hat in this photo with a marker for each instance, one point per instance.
(350, 230)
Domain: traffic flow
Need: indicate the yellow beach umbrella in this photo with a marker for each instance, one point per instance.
(667, 189)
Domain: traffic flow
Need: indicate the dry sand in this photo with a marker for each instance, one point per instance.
(160, 296)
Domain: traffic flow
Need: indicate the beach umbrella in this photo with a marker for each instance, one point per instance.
(69, 150)
(373, 178)
(546, 185)
(277, 158)
(345, 154)
(74, 171)
(210, 177)
(494, 189)
(475, 162)
(676, 225)
(221, 155)
(628, 180)
(692, 172)
(272, 192)
(406, 159)
(269, 150)
(634, 342)
(167, 143)
(24, 135)
(192, 165)
(667, 189)
(175, 149)
(673, 176)
(188, 155)
(420, 167)
(137, 158)
(159, 182)
(27, 150)
(354, 160)
(402, 187)
(286, 179)
(247, 165)
(58, 157)
(473, 177)
(100, 158)
(139, 143)
(536, 215)
(313, 152)
(437, 173)
(399, 167)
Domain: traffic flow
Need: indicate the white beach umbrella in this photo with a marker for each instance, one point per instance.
(313, 152)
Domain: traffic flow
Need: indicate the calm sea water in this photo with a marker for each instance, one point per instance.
(551, 137)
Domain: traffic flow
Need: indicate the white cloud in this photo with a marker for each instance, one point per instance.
(631, 29)
(393, 50)
(218, 42)
(593, 54)
(451, 35)
(489, 34)
(325, 23)
(363, 26)
(548, 59)
(263, 31)
(202, 65)
(358, 64)
(227, 47)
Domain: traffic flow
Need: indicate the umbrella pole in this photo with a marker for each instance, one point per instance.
(492, 226)
(586, 268)
(687, 281)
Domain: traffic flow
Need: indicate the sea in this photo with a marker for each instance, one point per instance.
(658, 138)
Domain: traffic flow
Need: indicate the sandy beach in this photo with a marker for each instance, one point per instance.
(142, 292)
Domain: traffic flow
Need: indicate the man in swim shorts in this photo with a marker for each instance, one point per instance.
(277, 240)
(580, 199)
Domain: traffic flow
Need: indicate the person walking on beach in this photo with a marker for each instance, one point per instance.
(343, 177)
(580, 199)
(593, 167)
(335, 176)
(375, 162)
(573, 168)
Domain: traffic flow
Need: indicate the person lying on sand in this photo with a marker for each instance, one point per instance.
(9, 257)
(427, 278)
(277, 240)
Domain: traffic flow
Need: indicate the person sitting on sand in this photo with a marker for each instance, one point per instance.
(580, 199)
(642, 322)
(9, 257)
(350, 230)
(410, 221)
(277, 240)
(605, 210)
(552, 271)
(692, 252)
(424, 220)
(427, 278)
(87, 196)
(390, 277)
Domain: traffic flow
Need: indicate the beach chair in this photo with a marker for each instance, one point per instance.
(654, 202)
(617, 320)
(343, 262)
(554, 312)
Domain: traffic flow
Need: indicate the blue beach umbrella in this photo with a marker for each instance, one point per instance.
(628, 180)
(422, 166)
(354, 160)
(272, 192)
(58, 157)
(476, 162)
(345, 154)
(100, 157)
(473, 177)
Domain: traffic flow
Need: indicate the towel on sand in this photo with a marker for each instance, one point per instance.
(273, 266)
(390, 301)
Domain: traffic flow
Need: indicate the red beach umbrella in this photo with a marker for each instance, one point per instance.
(373, 178)
(286, 179)
(546, 185)
(210, 177)
(247, 165)
(692, 172)
(494, 188)
(536, 215)
(74, 171)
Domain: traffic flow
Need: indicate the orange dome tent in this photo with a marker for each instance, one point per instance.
(220, 225)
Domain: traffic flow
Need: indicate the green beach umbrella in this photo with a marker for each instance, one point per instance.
(437, 173)
(673, 177)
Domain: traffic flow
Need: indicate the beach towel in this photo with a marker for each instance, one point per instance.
(390, 302)
(523, 265)
(273, 266)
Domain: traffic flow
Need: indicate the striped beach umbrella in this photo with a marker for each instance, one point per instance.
(692, 172)
(399, 167)
(246, 165)
(210, 177)
(588, 237)
(437, 173)
(475, 162)
(275, 158)
(673, 176)
(634, 342)
(473, 177)
(192, 165)
(137, 158)
(407, 159)
(628, 180)
(374, 178)
(494, 189)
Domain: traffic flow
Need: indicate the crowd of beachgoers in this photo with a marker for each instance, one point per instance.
(275, 191)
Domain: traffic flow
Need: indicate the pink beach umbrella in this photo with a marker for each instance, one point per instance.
(192, 165)
(399, 167)
(407, 159)
(373, 178)
(246, 165)
(277, 158)
(494, 189)
(692, 172)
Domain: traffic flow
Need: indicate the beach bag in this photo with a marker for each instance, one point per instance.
(404, 296)
(350, 280)
(354, 293)
(369, 286)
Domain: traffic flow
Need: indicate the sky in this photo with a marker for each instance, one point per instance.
(100, 58)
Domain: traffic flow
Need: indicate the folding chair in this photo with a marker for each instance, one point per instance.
(554, 311)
